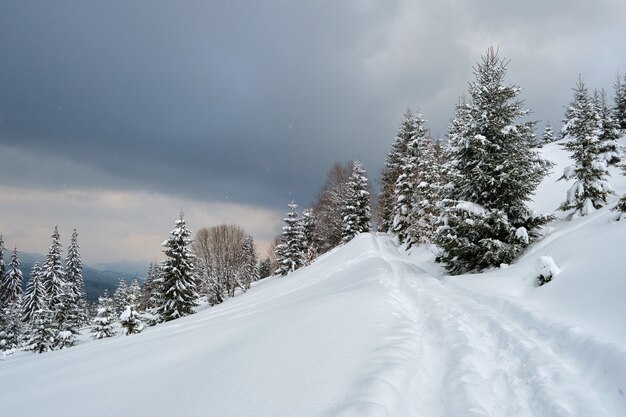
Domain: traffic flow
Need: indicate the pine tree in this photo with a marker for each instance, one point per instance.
(103, 322)
(310, 241)
(35, 297)
(621, 205)
(387, 198)
(619, 108)
(428, 178)
(356, 211)
(120, 297)
(10, 310)
(265, 268)
(581, 131)
(53, 274)
(406, 183)
(248, 271)
(74, 277)
(150, 290)
(492, 172)
(609, 130)
(42, 334)
(134, 292)
(2, 271)
(548, 134)
(291, 250)
(12, 283)
(130, 321)
(179, 286)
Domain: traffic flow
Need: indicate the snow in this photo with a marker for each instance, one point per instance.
(546, 267)
(371, 330)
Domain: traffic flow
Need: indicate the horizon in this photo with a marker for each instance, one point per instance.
(115, 116)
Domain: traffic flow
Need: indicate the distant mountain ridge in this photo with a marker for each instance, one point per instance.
(96, 278)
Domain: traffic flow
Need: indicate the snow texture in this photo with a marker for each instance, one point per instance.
(370, 330)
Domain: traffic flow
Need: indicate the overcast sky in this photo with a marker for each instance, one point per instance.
(114, 115)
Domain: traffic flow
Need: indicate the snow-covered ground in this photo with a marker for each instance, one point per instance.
(370, 330)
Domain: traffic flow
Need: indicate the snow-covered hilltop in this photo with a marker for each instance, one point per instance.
(371, 330)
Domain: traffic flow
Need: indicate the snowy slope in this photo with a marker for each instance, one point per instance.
(370, 330)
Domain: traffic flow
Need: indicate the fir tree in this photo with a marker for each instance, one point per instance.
(120, 296)
(248, 270)
(406, 183)
(2, 271)
(310, 242)
(130, 321)
(356, 212)
(67, 316)
(42, 334)
(428, 178)
(150, 290)
(74, 278)
(387, 198)
(53, 274)
(11, 326)
(102, 325)
(179, 292)
(492, 172)
(581, 131)
(10, 310)
(619, 108)
(265, 268)
(609, 149)
(35, 296)
(12, 283)
(291, 249)
(548, 134)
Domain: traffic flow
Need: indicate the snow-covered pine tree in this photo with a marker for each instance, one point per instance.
(581, 131)
(621, 205)
(13, 279)
(133, 292)
(74, 278)
(249, 271)
(609, 130)
(265, 268)
(67, 316)
(150, 289)
(492, 172)
(179, 285)
(120, 296)
(548, 134)
(619, 108)
(130, 321)
(43, 332)
(2, 270)
(10, 319)
(387, 198)
(356, 213)
(102, 325)
(35, 296)
(424, 214)
(407, 181)
(292, 248)
(53, 274)
(308, 228)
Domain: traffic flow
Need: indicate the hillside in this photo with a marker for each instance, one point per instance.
(370, 330)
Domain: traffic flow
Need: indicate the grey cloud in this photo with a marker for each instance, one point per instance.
(250, 101)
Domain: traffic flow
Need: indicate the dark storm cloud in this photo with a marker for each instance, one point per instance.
(250, 101)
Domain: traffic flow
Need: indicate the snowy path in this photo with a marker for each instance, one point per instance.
(365, 331)
(457, 353)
